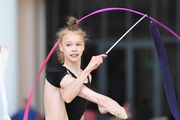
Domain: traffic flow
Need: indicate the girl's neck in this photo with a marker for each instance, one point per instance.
(75, 67)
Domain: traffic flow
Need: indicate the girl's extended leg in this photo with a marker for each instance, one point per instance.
(53, 104)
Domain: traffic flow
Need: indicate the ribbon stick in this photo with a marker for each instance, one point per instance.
(168, 84)
(124, 34)
(4, 51)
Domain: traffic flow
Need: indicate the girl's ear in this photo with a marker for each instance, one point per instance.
(84, 47)
(60, 47)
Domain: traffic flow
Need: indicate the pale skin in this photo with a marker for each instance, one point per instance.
(72, 46)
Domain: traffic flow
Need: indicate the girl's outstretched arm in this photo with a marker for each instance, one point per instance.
(105, 104)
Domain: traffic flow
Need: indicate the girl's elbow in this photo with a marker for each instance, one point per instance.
(67, 98)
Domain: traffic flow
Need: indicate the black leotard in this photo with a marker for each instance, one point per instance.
(76, 108)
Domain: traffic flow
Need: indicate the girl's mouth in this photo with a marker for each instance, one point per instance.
(74, 55)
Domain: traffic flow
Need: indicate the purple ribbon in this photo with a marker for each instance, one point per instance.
(168, 84)
(132, 11)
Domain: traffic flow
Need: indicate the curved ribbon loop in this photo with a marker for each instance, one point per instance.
(36, 80)
(132, 11)
(93, 13)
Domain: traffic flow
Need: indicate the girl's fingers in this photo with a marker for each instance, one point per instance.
(97, 60)
(103, 55)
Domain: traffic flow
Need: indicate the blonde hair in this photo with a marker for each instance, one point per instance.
(72, 26)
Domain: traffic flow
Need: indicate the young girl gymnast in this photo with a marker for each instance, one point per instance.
(67, 86)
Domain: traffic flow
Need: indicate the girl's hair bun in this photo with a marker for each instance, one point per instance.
(71, 21)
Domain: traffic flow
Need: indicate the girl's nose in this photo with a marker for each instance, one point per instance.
(74, 48)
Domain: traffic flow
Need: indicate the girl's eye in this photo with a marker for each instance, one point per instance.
(68, 44)
(78, 44)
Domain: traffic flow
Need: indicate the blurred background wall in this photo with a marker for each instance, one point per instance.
(23, 31)
(130, 74)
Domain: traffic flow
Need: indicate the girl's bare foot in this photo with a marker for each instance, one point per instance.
(111, 106)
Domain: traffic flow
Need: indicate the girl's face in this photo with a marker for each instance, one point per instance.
(72, 46)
